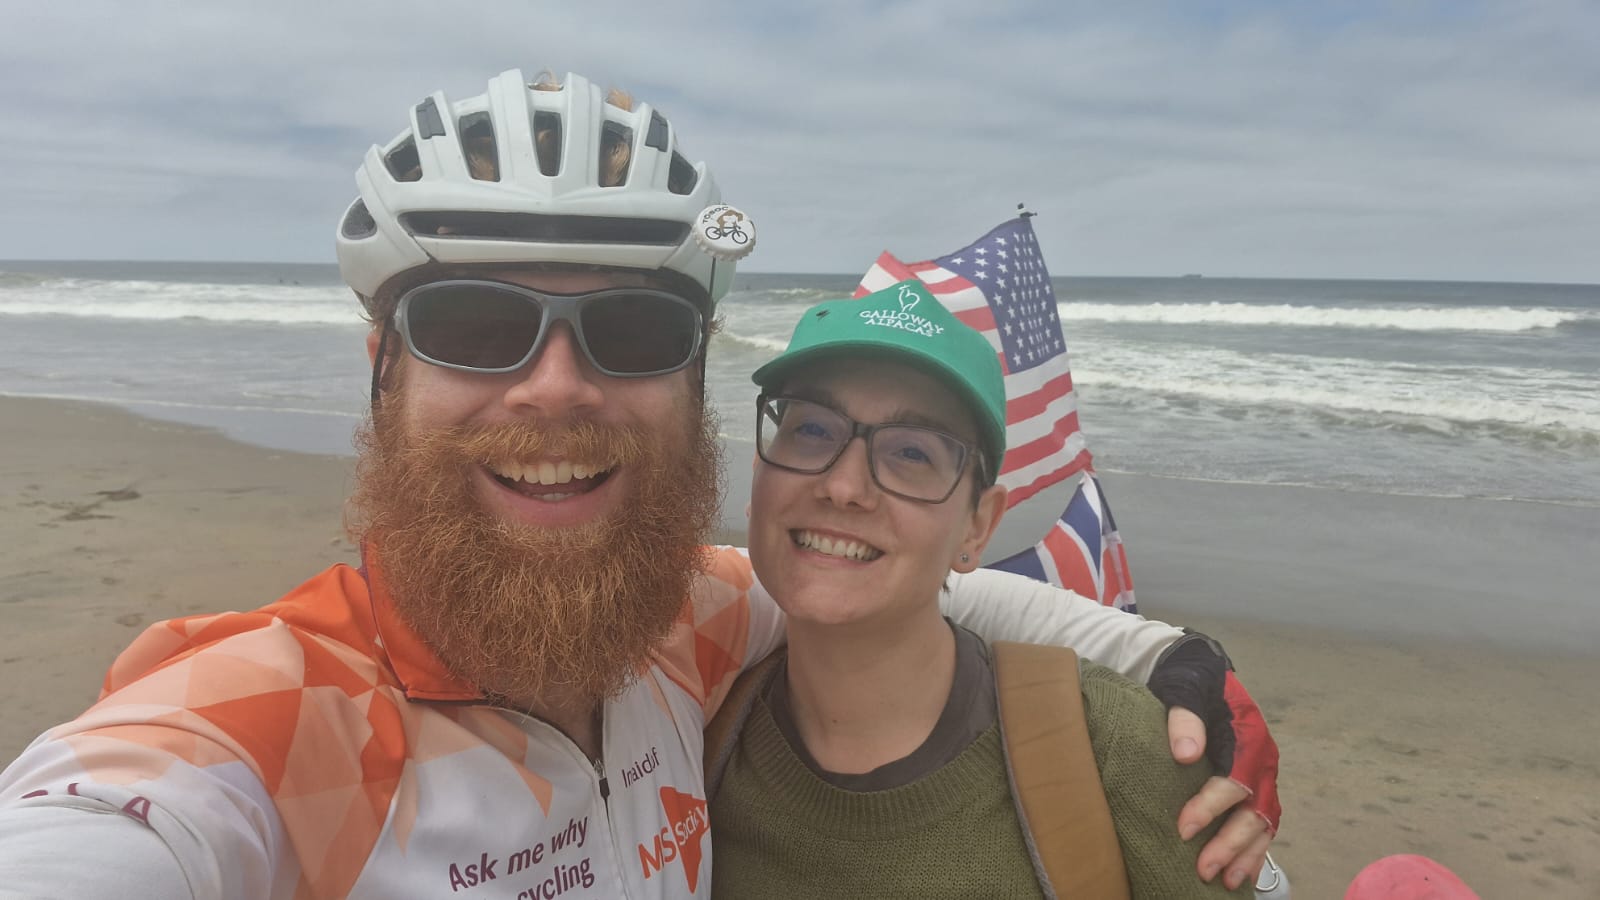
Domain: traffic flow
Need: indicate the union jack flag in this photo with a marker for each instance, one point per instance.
(1081, 552)
(999, 286)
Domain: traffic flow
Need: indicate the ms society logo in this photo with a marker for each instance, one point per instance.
(680, 839)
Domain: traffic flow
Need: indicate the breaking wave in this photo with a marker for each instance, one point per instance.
(1495, 319)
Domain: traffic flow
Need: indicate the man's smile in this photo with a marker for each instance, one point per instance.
(551, 480)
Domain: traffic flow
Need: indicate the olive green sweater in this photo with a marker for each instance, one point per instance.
(779, 830)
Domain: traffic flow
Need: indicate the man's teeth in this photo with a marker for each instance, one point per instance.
(546, 472)
(831, 547)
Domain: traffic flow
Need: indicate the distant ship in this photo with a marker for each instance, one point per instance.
(1193, 275)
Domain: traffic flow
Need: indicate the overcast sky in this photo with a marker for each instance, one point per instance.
(1450, 139)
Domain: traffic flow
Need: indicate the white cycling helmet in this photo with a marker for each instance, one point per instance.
(423, 201)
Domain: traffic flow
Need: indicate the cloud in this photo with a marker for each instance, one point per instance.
(1432, 140)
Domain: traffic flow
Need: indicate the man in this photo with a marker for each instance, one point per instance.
(506, 699)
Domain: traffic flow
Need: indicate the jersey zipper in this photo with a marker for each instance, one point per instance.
(605, 787)
(598, 763)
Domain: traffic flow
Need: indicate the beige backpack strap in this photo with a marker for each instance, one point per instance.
(1053, 772)
(722, 732)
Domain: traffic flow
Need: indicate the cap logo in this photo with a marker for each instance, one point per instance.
(907, 291)
(904, 320)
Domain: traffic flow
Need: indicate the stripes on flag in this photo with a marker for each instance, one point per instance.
(998, 285)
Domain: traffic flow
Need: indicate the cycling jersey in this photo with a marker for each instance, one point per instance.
(316, 748)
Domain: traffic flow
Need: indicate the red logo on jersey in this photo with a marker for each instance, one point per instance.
(687, 826)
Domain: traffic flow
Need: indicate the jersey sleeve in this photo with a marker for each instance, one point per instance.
(260, 753)
(1001, 606)
(163, 796)
(42, 854)
(1146, 788)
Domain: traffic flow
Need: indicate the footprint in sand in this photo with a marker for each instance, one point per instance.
(87, 510)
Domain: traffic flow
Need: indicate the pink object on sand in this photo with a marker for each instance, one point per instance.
(1408, 877)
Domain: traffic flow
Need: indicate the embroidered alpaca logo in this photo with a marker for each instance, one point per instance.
(907, 291)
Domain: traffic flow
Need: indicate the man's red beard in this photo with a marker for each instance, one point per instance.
(531, 615)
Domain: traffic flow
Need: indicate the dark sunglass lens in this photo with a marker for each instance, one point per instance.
(472, 325)
(634, 334)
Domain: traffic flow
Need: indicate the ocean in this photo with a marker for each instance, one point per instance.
(1414, 388)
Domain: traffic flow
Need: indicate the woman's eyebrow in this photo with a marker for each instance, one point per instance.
(912, 417)
(898, 417)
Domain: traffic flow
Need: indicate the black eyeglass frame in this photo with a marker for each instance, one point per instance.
(552, 308)
(866, 433)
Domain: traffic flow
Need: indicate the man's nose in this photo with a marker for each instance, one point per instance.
(558, 381)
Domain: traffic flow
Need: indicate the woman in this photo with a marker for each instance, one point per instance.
(870, 761)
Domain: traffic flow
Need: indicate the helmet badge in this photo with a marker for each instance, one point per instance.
(725, 232)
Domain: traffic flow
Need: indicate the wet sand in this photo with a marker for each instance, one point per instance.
(1425, 664)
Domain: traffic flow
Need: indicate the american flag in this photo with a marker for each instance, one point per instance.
(998, 285)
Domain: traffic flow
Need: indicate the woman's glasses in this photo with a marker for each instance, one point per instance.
(909, 461)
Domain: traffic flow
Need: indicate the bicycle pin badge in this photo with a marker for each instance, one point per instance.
(725, 232)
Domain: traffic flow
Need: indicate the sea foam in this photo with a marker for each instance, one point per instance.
(1462, 318)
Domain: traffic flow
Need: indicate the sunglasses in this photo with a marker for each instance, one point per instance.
(493, 327)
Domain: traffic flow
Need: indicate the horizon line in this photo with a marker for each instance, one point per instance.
(1198, 276)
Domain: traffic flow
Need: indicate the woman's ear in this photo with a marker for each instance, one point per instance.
(986, 516)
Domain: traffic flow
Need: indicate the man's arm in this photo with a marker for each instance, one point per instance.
(1000, 606)
(734, 623)
(65, 852)
(1144, 786)
(87, 801)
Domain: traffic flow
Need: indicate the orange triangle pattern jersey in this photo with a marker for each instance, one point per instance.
(316, 746)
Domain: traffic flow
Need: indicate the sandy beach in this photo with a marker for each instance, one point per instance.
(1426, 664)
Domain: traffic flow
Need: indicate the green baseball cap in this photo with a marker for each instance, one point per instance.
(905, 323)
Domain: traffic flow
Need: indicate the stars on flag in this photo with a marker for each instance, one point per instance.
(1018, 290)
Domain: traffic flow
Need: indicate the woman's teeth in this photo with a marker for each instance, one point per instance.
(835, 547)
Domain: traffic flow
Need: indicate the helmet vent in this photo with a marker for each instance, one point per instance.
(358, 222)
(616, 154)
(681, 177)
(403, 162)
(657, 135)
(478, 147)
(543, 229)
(428, 122)
(547, 141)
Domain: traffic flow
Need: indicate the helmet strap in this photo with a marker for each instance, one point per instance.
(378, 360)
